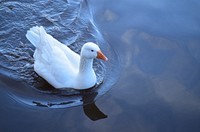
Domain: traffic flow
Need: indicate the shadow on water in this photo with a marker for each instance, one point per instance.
(85, 97)
(74, 20)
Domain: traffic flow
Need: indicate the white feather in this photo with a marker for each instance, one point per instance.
(58, 64)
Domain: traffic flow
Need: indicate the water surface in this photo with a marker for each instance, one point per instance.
(157, 43)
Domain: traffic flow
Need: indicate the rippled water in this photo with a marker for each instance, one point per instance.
(157, 43)
(75, 21)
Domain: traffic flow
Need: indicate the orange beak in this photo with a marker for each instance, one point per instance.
(100, 55)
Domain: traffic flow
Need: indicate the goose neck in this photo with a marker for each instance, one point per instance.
(85, 65)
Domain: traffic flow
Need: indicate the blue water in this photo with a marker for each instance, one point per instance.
(154, 52)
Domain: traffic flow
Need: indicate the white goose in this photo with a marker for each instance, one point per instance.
(59, 65)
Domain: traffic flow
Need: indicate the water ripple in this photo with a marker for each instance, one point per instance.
(71, 18)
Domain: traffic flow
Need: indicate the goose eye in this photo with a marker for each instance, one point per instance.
(92, 50)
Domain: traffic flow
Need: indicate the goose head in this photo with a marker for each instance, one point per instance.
(91, 50)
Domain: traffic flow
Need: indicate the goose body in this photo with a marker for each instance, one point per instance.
(59, 65)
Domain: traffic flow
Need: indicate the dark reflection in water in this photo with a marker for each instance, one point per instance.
(158, 90)
(90, 109)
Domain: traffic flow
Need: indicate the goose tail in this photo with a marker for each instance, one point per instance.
(42, 41)
(35, 35)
